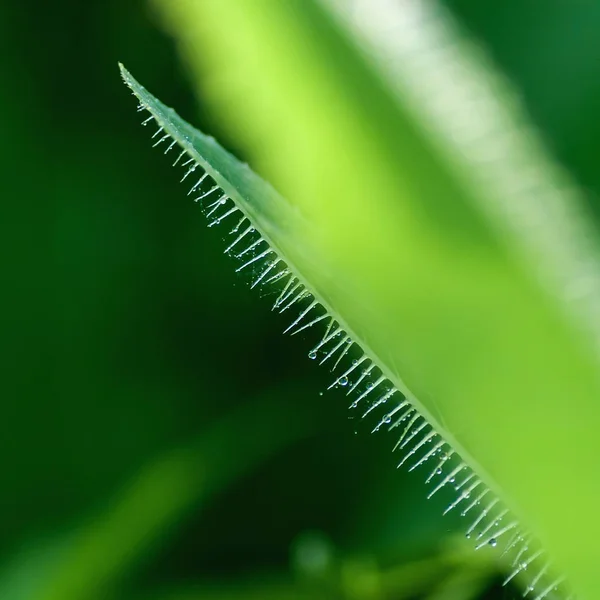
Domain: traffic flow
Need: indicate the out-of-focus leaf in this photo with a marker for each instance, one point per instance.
(94, 558)
(355, 579)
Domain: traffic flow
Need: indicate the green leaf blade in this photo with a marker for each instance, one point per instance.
(392, 244)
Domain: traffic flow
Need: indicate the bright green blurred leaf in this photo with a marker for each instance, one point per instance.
(401, 251)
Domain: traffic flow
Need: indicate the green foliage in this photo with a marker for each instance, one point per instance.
(134, 358)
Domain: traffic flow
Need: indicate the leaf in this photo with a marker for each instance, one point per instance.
(92, 561)
(388, 234)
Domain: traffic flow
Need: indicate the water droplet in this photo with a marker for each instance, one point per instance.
(452, 479)
(439, 471)
(387, 419)
(312, 355)
(493, 542)
(355, 362)
(343, 380)
(468, 536)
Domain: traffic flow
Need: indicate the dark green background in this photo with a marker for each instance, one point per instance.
(127, 334)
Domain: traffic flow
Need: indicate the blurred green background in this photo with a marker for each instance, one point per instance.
(161, 438)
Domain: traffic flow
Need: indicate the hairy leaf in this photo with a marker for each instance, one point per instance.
(433, 315)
